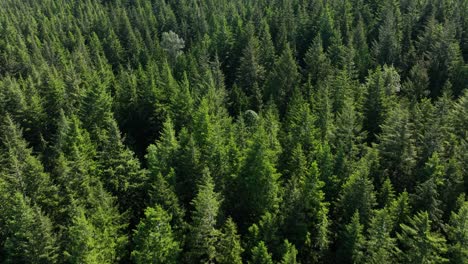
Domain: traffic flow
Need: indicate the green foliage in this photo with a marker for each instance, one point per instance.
(282, 80)
(28, 235)
(260, 255)
(258, 180)
(290, 253)
(154, 240)
(204, 235)
(229, 247)
(420, 244)
(380, 247)
(352, 242)
(458, 235)
(357, 195)
(337, 126)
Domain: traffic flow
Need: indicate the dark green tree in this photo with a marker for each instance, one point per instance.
(457, 235)
(282, 80)
(420, 244)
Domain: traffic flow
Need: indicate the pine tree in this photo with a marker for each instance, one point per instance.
(282, 80)
(420, 245)
(428, 192)
(290, 253)
(119, 170)
(260, 255)
(161, 156)
(94, 235)
(352, 242)
(154, 240)
(257, 183)
(387, 48)
(396, 148)
(22, 171)
(204, 235)
(348, 133)
(380, 85)
(458, 235)
(357, 195)
(400, 211)
(229, 247)
(318, 65)
(251, 73)
(27, 233)
(380, 246)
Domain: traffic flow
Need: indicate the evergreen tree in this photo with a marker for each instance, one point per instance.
(119, 170)
(154, 240)
(420, 245)
(282, 80)
(427, 192)
(257, 185)
(22, 171)
(229, 247)
(380, 246)
(458, 235)
(396, 148)
(290, 253)
(204, 235)
(27, 234)
(317, 62)
(357, 195)
(260, 254)
(352, 242)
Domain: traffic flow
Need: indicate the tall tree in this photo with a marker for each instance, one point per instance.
(153, 238)
(420, 245)
(22, 171)
(257, 182)
(458, 235)
(27, 233)
(260, 255)
(204, 235)
(229, 247)
(352, 242)
(282, 80)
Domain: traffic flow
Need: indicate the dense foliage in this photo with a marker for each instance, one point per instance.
(231, 131)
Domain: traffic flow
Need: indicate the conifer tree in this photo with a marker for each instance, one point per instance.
(204, 235)
(229, 247)
(380, 246)
(258, 180)
(357, 195)
(420, 244)
(21, 170)
(458, 235)
(154, 240)
(260, 255)
(396, 148)
(282, 80)
(352, 242)
(290, 253)
(317, 62)
(27, 233)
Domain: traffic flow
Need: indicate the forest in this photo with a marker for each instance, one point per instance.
(233, 131)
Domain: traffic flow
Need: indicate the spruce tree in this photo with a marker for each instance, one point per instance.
(204, 235)
(153, 238)
(229, 247)
(260, 255)
(419, 243)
